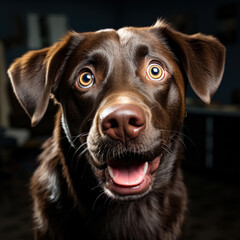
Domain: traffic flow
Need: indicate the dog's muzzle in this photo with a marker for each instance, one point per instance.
(128, 169)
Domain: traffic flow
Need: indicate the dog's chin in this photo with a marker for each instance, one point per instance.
(128, 179)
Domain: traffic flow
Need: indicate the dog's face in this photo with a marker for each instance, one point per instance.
(122, 94)
(127, 93)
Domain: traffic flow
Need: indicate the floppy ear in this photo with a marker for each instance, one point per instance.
(201, 57)
(34, 75)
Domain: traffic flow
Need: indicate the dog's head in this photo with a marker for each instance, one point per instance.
(123, 94)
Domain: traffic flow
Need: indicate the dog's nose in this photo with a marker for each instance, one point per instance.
(123, 122)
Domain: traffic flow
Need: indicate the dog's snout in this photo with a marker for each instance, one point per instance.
(123, 122)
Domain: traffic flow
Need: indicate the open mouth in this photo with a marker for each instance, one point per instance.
(130, 175)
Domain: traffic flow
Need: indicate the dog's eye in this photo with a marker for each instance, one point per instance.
(85, 80)
(155, 72)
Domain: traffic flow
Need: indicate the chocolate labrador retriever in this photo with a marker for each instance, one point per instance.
(111, 170)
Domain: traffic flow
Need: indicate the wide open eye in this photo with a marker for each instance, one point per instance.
(155, 72)
(85, 80)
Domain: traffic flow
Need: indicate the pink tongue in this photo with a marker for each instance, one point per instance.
(128, 175)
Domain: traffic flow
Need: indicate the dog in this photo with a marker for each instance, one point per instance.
(112, 168)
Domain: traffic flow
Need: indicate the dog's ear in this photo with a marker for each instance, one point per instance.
(33, 76)
(201, 57)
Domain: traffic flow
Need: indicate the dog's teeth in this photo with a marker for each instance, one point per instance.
(110, 172)
(145, 168)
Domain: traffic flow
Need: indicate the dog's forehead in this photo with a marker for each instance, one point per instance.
(130, 39)
(126, 42)
(124, 39)
(127, 36)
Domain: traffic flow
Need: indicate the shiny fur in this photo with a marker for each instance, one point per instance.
(70, 199)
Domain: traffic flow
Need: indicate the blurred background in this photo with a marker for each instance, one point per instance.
(211, 133)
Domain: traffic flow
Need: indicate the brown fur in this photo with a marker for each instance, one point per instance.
(67, 187)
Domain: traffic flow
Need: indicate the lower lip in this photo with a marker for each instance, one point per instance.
(133, 190)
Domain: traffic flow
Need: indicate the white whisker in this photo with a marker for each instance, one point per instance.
(100, 195)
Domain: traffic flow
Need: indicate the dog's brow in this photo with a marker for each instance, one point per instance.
(97, 57)
(103, 55)
(139, 47)
(106, 48)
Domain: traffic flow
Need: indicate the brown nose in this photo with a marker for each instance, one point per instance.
(123, 122)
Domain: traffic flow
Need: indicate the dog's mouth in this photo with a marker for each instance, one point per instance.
(129, 175)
